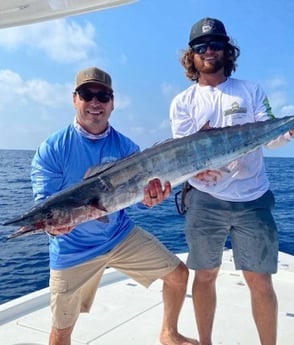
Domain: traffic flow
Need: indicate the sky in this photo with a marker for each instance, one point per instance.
(139, 45)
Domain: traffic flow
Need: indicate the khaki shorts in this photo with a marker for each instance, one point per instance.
(141, 256)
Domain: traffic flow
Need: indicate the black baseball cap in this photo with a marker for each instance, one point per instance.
(208, 27)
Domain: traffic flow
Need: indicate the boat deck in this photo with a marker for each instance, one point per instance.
(127, 313)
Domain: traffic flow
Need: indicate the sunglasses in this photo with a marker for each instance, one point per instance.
(101, 96)
(201, 48)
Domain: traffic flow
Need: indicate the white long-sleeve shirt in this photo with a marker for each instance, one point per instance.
(230, 103)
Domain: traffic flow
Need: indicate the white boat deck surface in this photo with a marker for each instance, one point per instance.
(125, 313)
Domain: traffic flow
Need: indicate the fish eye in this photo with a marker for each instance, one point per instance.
(49, 215)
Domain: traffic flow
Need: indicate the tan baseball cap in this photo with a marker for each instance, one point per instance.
(93, 75)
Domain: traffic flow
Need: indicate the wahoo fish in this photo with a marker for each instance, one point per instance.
(117, 185)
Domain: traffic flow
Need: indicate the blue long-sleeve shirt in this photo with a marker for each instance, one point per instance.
(63, 160)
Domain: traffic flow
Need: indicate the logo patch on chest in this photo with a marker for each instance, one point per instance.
(235, 109)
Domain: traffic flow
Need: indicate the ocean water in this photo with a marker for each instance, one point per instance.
(24, 261)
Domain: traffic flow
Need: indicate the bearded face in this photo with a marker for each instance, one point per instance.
(210, 62)
(209, 55)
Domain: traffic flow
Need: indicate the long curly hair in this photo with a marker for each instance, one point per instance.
(231, 54)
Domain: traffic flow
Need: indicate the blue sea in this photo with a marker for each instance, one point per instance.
(24, 261)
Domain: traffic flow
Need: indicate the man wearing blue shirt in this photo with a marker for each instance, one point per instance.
(79, 255)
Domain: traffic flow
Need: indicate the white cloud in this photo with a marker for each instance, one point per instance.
(121, 101)
(30, 110)
(15, 91)
(61, 40)
(165, 124)
(137, 130)
(169, 90)
(276, 82)
(287, 110)
(278, 99)
(278, 96)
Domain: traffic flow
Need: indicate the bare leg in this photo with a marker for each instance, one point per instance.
(204, 300)
(60, 336)
(174, 291)
(264, 306)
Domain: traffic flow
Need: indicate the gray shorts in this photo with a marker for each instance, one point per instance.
(251, 226)
(141, 256)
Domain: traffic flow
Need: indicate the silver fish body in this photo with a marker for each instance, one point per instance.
(117, 185)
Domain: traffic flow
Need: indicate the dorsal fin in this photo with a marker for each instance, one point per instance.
(97, 169)
(206, 127)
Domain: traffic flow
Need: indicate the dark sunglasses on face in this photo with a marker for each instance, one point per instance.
(101, 96)
(201, 48)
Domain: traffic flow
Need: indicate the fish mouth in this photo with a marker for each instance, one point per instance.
(24, 231)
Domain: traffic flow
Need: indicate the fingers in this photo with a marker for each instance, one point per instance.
(154, 193)
(209, 176)
(167, 189)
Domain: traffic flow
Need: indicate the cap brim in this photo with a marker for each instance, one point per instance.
(93, 82)
(215, 36)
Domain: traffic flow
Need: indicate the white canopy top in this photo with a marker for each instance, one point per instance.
(20, 12)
